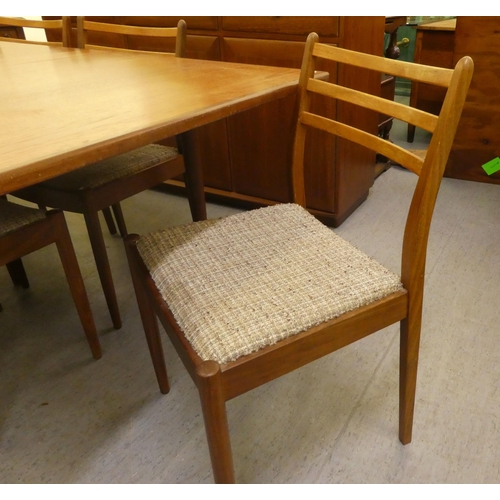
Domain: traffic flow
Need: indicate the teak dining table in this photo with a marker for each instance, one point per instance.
(64, 108)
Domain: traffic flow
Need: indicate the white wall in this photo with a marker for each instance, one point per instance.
(34, 33)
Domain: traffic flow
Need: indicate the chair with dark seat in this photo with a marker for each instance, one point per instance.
(98, 186)
(24, 230)
(248, 298)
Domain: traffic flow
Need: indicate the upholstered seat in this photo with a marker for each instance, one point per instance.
(232, 298)
(118, 167)
(14, 217)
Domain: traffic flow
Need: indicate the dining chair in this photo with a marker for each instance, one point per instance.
(16, 269)
(250, 297)
(106, 183)
(24, 230)
(131, 36)
(63, 25)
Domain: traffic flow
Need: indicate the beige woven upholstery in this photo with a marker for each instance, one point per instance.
(14, 217)
(238, 284)
(104, 171)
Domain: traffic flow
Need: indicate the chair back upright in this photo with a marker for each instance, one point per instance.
(63, 24)
(430, 170)
(129, 32)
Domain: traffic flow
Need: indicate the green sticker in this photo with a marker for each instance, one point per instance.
(492, 166)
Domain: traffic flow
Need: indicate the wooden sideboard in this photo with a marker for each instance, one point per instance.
(7, 31)
(434, 46)
(443, 43)
(477, 140)
(246, 157)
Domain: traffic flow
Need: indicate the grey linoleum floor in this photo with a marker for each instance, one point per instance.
(65, 418)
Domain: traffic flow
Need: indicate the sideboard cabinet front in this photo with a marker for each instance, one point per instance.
(246, 157)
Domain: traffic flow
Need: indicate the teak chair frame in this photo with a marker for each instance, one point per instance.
(85, 26)
(63, 24)
(39, 234)
(220, 383)
(93, 200)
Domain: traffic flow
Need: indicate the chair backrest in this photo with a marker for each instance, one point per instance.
(178, 33)
(63, 25)
(430, 170)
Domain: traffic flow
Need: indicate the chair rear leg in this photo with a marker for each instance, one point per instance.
(76, 285)
(120, 220)
(215, 417)
(109, 220)
(18, 273)
(103, 268)
(409, 348)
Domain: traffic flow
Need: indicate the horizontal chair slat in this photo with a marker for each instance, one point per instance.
(396, 153)
(426, 74)
(29, 23)
(421, 119)
(129, 30)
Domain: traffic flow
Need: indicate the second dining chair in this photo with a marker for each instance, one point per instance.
(24, 230)
(105, 184)
(248, 298)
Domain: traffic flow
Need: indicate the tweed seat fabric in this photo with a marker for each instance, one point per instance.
(238, 284)
(104, 171)
(14, 217)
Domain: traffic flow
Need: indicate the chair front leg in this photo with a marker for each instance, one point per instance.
(409, 349)
(76, 284)
(214, 413)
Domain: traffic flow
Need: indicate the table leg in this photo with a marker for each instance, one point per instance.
(193, 175)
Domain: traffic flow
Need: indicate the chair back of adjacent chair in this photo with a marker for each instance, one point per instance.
(130, 32)
(63, 24)
(442, 127)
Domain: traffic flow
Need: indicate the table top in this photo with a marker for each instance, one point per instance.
(63, 108)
